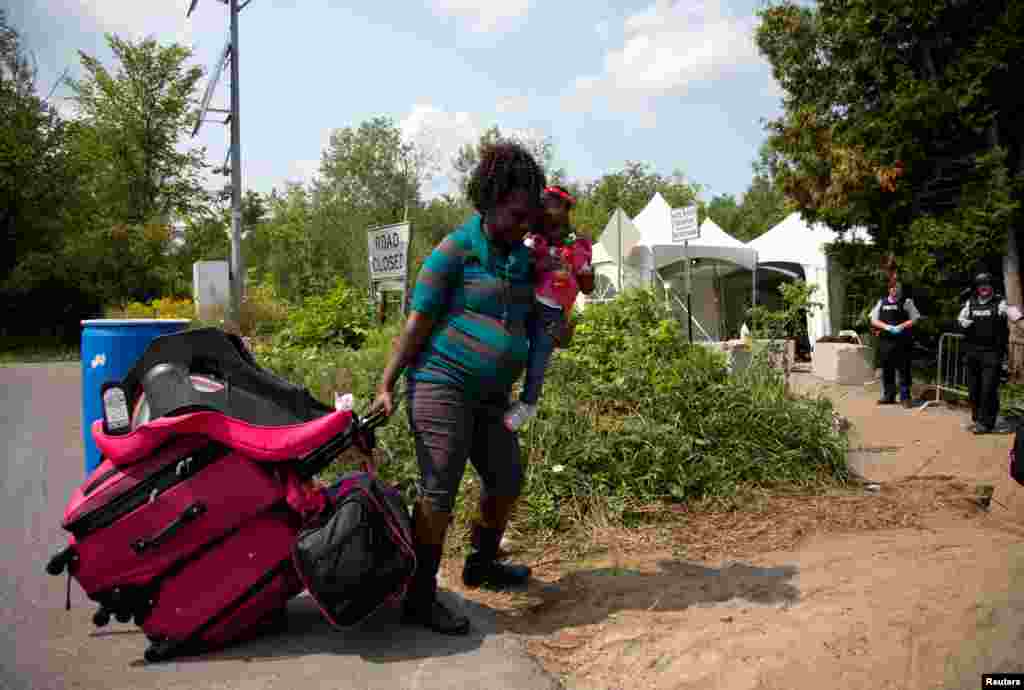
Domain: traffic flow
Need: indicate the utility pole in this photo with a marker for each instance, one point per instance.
(237, 263)
(237, 267)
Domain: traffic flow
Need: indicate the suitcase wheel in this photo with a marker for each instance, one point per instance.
(61, 560)
(160, 650)
(101, 617)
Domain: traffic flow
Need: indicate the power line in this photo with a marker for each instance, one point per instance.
(60, 79)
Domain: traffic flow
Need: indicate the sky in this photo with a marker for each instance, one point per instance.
(675, 84)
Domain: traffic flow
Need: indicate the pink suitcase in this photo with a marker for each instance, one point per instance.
(224, 594)
(166, 490)
(131, 538)
(188, 524)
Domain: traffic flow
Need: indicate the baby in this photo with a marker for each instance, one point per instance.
(563, 270)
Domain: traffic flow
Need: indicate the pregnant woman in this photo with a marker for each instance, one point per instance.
(463, 346)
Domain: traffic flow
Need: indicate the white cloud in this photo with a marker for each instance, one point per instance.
(667, 48)
(137, 20)
(513, 104)
(440, 134)
(302, 171)
(484, 15)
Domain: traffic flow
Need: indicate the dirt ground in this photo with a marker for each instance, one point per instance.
(912, 585)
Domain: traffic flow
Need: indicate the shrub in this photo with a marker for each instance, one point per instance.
(633, 414)
(162, 308)
(263, 313)
(340, 317)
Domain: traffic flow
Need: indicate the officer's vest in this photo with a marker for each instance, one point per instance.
(893, 314)
(988, 329)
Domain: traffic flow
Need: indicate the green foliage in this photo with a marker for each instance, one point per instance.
(40, 192)
(797, 301)
(340, 316)
(136, 118)
(163, 308)
(90, 201)
(859, 268)
(901, 121)
(631, 415)
(630, 189)
(542, 148)
(763, 206)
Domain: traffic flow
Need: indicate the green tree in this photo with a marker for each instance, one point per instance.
(541, 147)
(902, 117)
(764, 206)
(369, 175)
(631, 189)
(41, 194)
(31, 139)
(724, 210)
(291, 261)
(136, 119)
(372, 168)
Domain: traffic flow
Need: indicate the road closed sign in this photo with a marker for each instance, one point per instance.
(389, 251)
(684, 225)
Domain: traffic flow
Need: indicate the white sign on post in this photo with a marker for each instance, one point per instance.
(684, 225)
(389, 251)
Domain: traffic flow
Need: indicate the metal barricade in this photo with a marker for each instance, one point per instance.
(951, 377)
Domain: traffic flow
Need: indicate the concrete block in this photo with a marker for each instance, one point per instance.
(843, 363)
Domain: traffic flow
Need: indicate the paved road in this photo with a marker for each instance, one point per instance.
(43, 647)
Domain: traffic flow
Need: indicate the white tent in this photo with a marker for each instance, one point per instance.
(655, 225)
(645, 245)
(793, 241)
(620, 238)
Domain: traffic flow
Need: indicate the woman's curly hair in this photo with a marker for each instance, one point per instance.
(504, 167)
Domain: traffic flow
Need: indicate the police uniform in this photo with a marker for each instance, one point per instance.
(987, 333)
(894, 349)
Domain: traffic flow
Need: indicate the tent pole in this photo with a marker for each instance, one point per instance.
(755, 285)
(618, 225)
(718, 305)
(689, 305)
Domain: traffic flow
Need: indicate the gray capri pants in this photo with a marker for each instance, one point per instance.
(450, 426)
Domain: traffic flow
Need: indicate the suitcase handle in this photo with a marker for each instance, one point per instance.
(359, 432)
(139, 546)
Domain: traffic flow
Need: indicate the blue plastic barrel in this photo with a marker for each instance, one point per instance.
(110, 348)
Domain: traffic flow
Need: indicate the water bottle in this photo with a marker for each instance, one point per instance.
(343, 402)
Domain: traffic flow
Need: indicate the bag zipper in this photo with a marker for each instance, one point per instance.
(99, 480)
(147, 490)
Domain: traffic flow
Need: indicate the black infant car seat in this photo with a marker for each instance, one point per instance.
(208, 369)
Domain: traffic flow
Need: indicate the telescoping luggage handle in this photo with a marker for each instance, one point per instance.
(360, 430)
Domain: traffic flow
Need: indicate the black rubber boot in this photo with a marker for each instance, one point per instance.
(483, 569)
(421, 604)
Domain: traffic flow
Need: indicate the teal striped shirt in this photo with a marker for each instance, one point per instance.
(480, 299)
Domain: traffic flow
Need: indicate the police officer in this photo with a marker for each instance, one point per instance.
(893, 317)
(984, 320)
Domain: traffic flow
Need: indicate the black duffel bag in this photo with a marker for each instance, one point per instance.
(360, 556)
